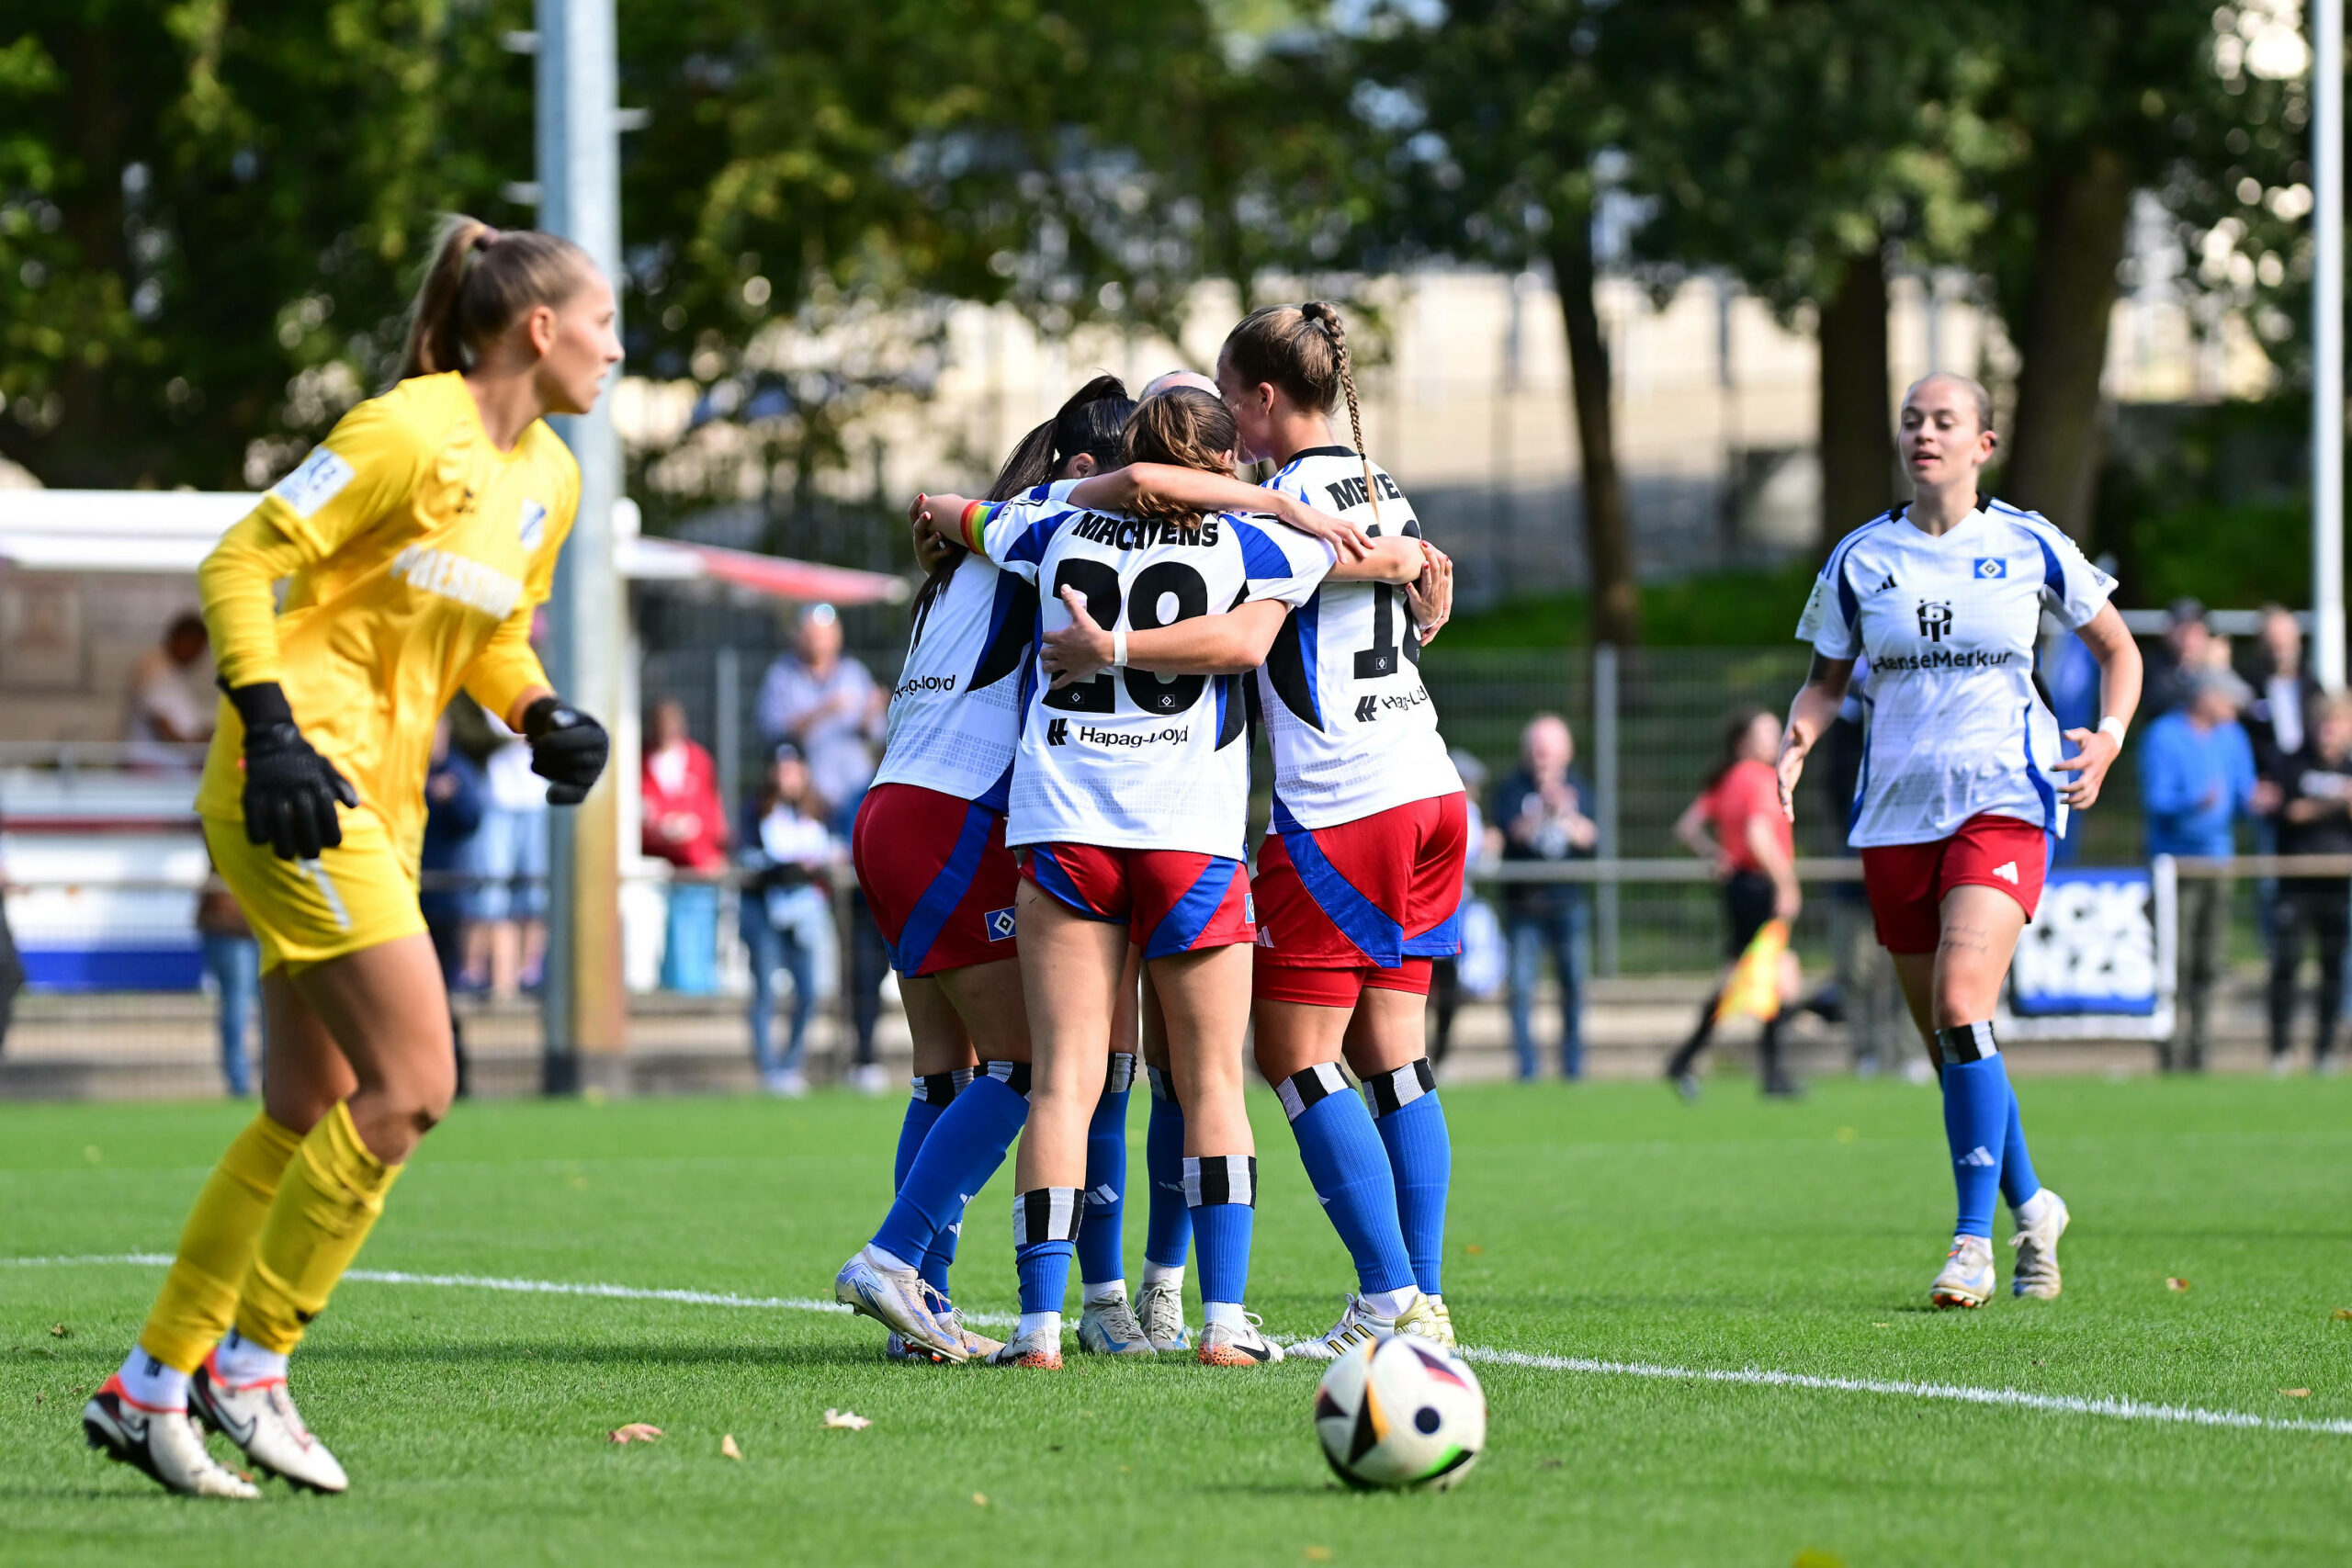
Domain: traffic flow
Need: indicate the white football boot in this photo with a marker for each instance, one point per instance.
(899, 1300)
(1041, 1350)
(167, 1444)
(1224, 1346)
(260, 1418)
(1108, 1327)
(1444, 1335)
(1160, 1311)
(2036, 1273)
(1358, 1325)
(1967, 1280)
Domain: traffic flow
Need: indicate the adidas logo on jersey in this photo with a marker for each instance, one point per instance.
(1979, 1156)
(2008, 872)
(1265, 937)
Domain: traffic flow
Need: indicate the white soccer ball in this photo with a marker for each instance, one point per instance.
(1401, 1413)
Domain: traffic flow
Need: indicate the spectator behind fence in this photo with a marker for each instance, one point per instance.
(784, 911)
(2186, 647)
(2315, 818)
(685, 824)
(2279, 720)
(824, 704)
(454, 798)
(1737, 823)
(2196, 779)
(233, 959)
(507, 857)
(169, 705)
(1481, 933)
(1541, 812)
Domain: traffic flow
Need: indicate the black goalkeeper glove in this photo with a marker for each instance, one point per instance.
(568, 748)
(290, 790)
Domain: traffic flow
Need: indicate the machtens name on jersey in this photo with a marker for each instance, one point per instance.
(956, 711)
(1351, 725)
(1128, 759)
(1952, 726)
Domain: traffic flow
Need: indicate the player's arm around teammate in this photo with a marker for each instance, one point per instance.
(419, 537)
(1957, 811)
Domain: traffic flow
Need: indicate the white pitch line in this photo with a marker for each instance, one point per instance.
(2114, 1409)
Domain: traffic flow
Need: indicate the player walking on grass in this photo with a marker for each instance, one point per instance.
(929, 846)
(419, 537)
(1956, 810)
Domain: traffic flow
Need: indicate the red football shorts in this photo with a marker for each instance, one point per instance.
(1364, 903)
(1170, 901)
(1907, 883)
(937, 876)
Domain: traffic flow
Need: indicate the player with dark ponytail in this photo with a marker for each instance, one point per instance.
(419, 538)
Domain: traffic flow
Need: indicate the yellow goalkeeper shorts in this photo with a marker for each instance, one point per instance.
(357, 896)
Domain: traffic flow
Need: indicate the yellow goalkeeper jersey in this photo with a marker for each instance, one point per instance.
(417, 552)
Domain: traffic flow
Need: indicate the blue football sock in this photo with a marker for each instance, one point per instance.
(963, 1150)
(1976, 1120)
(1045, 1223)
(1168, 1222)
(933, 1093)
(2018, 1182)
(1350, 1170)
(1222, 1192)
(1101, 1243)
(1420, 1156)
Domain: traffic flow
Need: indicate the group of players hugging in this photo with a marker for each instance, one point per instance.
(1055, 843)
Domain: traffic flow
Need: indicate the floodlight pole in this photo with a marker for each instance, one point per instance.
(585, 1010)
(2327, 345)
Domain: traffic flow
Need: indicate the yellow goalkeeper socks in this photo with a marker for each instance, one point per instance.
(332, 1192)
(199, 1296)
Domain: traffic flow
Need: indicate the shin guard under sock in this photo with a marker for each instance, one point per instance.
(2019, 1184)
(1976, 1120)
(199, 1301)
(332, 1192)
(1168, 1223)
(963, 1148)
(1348, 1168)
(1222, 1191)
(1045, 1223)
(1421, 1159)
(933, 1092)
(1101, 1258)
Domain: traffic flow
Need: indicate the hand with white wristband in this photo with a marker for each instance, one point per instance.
(2094, 752)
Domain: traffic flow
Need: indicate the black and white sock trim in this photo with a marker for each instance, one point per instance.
(1047, 1214)
(1122, 1076)
(1161, 1087)
(1966, 1043)
(1391, 1092)
(1220, 1179)
(1013, 1076)
(939, 1088)
(1309, 1085)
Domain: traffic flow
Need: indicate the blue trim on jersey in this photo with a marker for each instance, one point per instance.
(1182, 925)
(2040, 785)
(1223, 686)
(1309, 617)
(1260, 556)
(1047, 872)
(2053, 576)
(1362, 921)
(937, 905)
(1862, 776)
(1848, 606)
(1008, 586)
(998, 798)
(1031, 546)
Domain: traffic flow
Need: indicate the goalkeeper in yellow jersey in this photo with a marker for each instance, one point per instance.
(418, 538)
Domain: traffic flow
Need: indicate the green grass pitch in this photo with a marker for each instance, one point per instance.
(1605, 1222)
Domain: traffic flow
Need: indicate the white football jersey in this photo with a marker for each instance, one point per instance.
(955, 712)
(1952, 726)
(1352, 726)
(1131, 760)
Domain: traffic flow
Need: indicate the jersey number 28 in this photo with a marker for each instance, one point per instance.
(1100, 586)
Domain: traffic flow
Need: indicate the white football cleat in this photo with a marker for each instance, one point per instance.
(900, 1302)
(1109, 1328)
(1161, 1312)
(1444, 1335)
(1041, 1349)
(1224, 1346)
(1359, 1326)
(260, 1418)
(167, 1444)
(2036, 1273)
(1967, 1280)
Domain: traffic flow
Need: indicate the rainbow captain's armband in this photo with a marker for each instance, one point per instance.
(974, 523)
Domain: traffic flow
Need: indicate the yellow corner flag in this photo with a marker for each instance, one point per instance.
(1754, 988)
